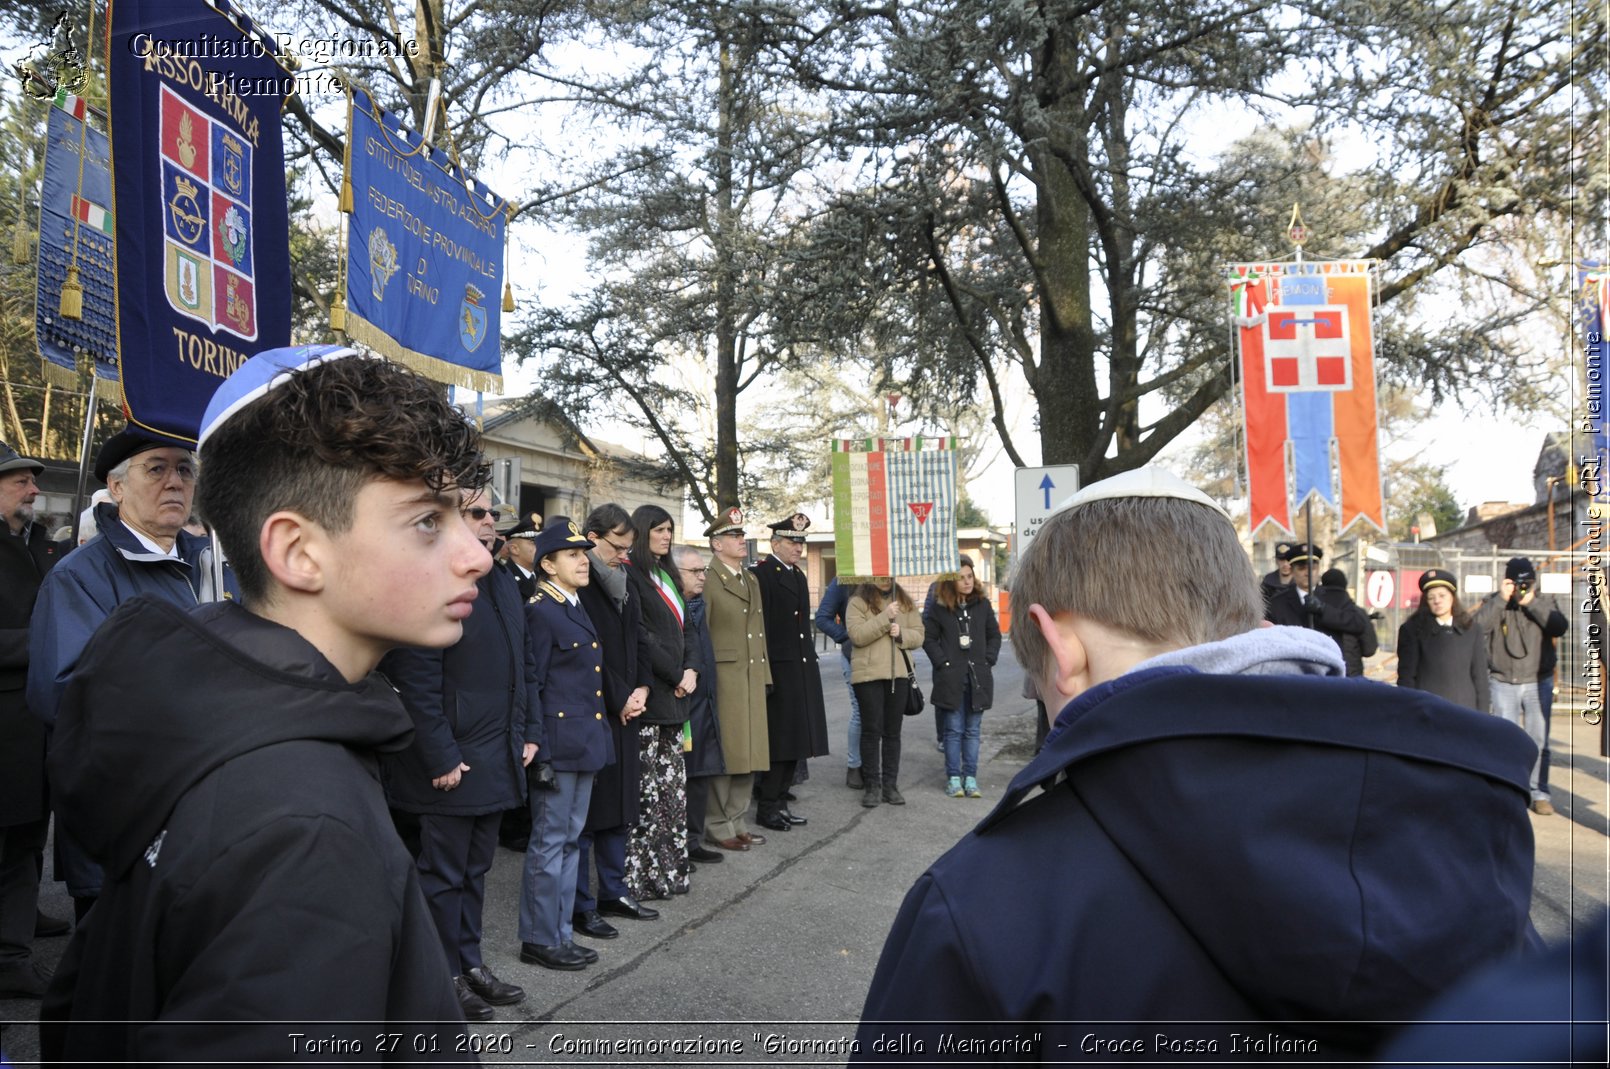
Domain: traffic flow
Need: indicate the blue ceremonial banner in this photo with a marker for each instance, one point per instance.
(424, 255)
(75, 227)
(198, 178)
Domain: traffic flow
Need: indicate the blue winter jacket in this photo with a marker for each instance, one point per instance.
(90, 582)
(1278, 855)
(469, 704)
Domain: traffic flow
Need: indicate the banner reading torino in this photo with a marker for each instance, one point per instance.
(1308, 378)
(203, 261)
(894, 506)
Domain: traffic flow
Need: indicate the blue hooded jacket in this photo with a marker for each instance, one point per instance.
(1274, 850)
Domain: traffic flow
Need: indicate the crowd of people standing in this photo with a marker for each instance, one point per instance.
(1497, 657)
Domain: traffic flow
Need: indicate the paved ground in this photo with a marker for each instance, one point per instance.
(777, 946)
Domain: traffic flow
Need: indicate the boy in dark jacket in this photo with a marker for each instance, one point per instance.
(221, 762)
(1219, 831)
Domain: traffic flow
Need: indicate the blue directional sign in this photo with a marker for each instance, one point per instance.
(1037, 492)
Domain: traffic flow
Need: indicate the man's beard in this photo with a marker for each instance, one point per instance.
(23, 515)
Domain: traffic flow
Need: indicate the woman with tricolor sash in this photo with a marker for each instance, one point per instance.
(657, 854)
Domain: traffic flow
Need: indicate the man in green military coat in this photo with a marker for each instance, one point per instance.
(738, 634)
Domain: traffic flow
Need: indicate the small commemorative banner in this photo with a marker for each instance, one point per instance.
(894, 506)
(75, 228)
(424, 269)
(1306, 341)
(198, 180)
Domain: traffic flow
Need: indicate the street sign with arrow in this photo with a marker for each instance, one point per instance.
(1037, 492)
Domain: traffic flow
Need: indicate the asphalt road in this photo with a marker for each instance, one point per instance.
(768, 959)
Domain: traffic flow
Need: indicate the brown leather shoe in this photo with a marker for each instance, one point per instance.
(730, 844)
(753, 839)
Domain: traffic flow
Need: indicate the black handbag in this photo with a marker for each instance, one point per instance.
(914, 699)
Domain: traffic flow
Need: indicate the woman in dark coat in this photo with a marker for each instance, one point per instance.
(1441, 649)
(617, 616)
(657, 855)
(962, 640)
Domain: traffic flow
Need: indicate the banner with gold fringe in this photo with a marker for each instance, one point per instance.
(424, 262)
(75, 242)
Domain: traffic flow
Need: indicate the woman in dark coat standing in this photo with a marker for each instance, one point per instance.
(657, 855)
(617, 616)
(1441, 649)
(962, 640)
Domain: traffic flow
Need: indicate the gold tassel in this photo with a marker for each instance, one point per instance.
(21, 247)
(72, 295)
(508, 296)
(338, 315)
(345, 205)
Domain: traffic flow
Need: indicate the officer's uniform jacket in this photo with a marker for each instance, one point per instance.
(796, 716)
(743, 672)
(569, 693)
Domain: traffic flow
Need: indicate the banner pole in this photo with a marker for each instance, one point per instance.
(83, 455)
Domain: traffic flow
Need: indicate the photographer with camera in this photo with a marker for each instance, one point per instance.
(1521, 627)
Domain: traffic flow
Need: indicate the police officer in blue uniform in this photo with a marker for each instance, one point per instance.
(569, 696)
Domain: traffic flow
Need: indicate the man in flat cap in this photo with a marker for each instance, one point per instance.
(1220, 829)
(796, 715)
(743, 674)
(142, 549)
(26, 555)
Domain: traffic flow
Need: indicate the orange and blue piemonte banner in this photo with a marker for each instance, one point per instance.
(894, 506)
(198, 179)
(1308, 380)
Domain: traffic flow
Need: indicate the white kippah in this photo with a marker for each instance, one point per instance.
(1147, 481)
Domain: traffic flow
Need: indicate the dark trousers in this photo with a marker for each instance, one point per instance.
(698, 799)
(19, 890)
(883, 711)
(454, 856)
(773, 784)
(608, 849)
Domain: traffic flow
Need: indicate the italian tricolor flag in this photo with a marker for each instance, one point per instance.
(72, 105)
(92, 215)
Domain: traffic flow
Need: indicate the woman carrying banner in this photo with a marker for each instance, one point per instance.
(883, 625)
(657, 853)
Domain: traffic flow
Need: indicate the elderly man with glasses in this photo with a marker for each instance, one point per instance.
(142, 549)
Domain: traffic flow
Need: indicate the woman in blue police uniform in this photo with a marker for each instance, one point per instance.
(575, 745)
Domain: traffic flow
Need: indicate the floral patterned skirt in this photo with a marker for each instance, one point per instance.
(657, 854)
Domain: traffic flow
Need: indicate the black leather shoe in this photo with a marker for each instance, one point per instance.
(588, 954)
(789, 796)
(853, 780)
(563, 957)
(627, 906)
(473, 1005)
(46, 926)
(493, 992)
(791, 818)
(590, 923)
(704, 855)
(775, 822)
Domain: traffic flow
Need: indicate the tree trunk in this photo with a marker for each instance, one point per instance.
(1064, 383)
(726, 313)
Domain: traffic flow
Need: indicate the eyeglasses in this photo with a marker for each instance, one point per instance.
(619, 549)
(694, 571)
(157, 471)
(478, 513)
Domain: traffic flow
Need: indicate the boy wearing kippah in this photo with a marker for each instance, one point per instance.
(221, 762)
